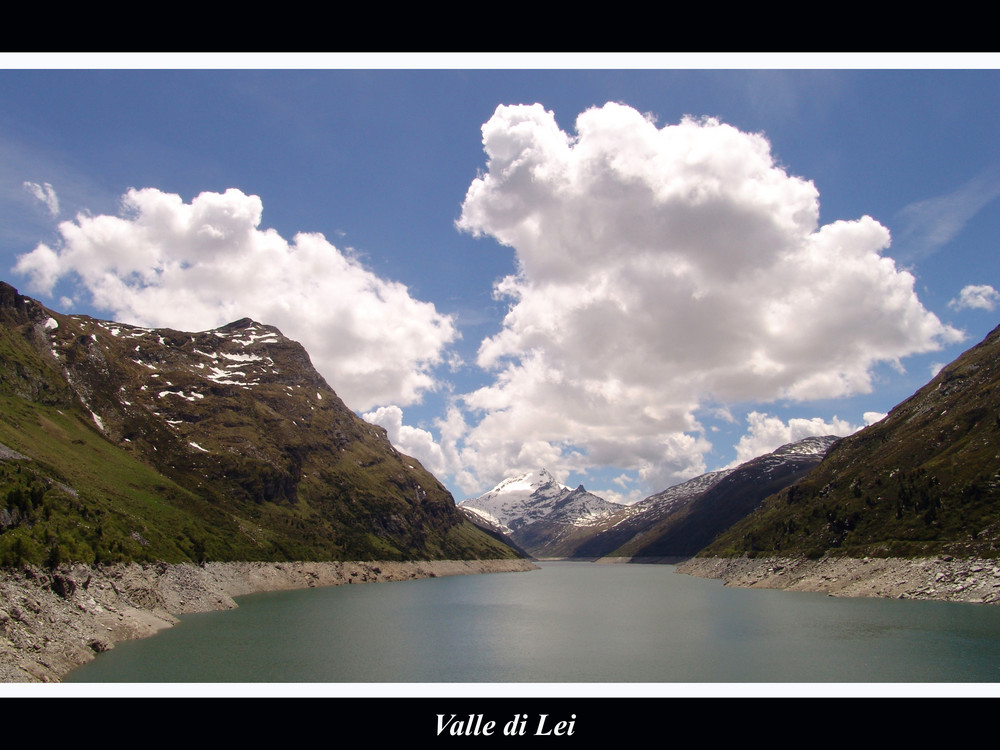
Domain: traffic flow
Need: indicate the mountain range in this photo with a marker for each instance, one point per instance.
(121, 443)
(548, 519)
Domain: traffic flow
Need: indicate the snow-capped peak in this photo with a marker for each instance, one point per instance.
(515, 498)
(532, 480)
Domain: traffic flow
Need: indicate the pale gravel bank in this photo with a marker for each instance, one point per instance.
(54, 621)
(940, 578)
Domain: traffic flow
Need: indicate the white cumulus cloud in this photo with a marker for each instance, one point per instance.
(198, 265)
(412, 441)
(976, 297)
(662, 269)
(766, 433)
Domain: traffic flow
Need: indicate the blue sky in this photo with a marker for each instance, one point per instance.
(677, 296)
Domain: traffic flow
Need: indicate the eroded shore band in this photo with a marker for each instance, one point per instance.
(53, 621)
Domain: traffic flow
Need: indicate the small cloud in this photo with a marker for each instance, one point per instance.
(46, 194)
(616, 497)
(931, 224)
(936, 367)
(722, 413)
(976, 296)
(871, 417)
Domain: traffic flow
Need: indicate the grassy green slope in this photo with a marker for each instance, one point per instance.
(277, 476)
(925, 480)
(93, 502)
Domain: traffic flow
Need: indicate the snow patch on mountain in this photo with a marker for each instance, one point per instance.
(809, 446)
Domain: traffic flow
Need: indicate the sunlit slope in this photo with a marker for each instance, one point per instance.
(225, 444)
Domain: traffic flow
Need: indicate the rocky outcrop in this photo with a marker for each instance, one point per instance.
(941, 578)
(54, 621)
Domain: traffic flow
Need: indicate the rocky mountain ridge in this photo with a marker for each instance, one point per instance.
(522, 500)
(226, 444)
(677, 522)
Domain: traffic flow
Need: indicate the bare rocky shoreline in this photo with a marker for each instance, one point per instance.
(939, 578)
(54, 621)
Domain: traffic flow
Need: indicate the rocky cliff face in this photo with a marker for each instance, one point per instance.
(223, 444)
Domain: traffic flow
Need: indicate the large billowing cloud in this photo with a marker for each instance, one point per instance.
(197, 265)
(660, 271)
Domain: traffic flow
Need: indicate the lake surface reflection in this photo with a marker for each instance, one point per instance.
(568, 622)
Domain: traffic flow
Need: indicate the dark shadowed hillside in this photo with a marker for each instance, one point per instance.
(925, 480)
(679, 521)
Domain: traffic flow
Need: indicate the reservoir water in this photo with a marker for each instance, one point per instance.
(568, 622)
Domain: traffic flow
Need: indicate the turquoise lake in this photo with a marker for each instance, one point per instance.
(565, 623)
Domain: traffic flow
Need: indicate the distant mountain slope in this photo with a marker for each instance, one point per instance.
(682, 519)
(727, 501)
(642, 520)
(539, 514)
(223, 444)
(501, 533)
(517, 501)
(572, 519)
(925, 480)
